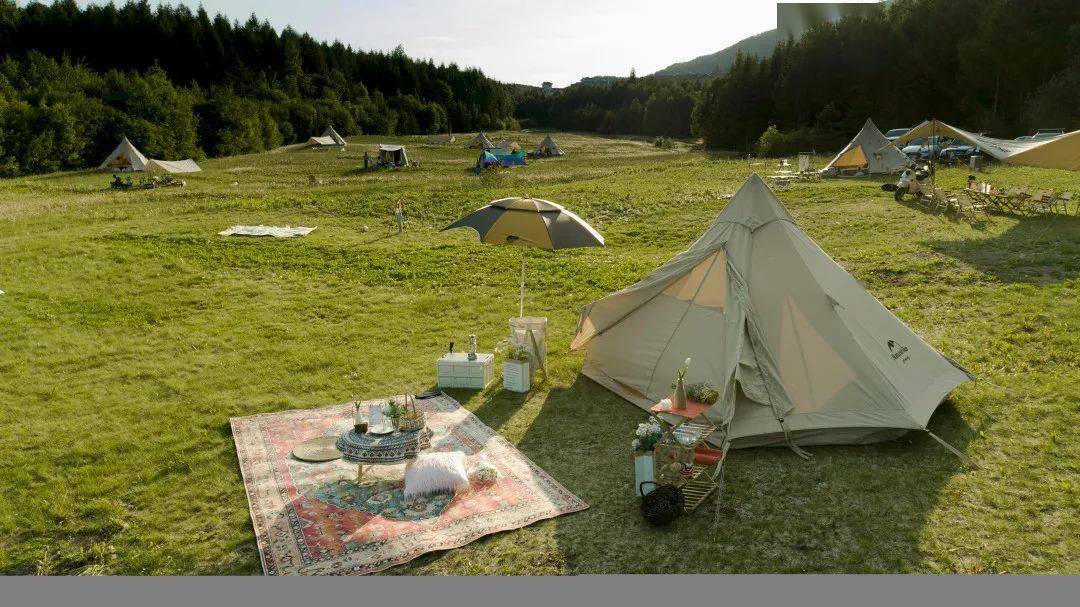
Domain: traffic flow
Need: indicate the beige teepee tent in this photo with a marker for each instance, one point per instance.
(480, 142)
(548, 147)
(800, 352)
(124, 158)
(870, 153)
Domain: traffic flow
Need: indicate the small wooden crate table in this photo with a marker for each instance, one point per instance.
(455, 370)
(708, 463)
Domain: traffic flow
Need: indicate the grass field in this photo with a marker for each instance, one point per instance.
(132, 332)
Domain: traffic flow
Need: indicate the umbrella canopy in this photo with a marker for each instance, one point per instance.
(529, 222)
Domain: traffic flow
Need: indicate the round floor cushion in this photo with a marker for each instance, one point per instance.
(320, 449)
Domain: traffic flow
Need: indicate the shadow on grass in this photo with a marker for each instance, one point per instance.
(850, 509)
(1037, 250)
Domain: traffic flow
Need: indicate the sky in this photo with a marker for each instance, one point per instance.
(520, 41)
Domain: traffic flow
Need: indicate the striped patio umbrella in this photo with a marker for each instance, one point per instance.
(529, 222)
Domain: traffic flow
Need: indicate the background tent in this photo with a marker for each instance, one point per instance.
(481, 142)
(173, 166)
(799, 351)
(869, 152)
(332, 134)
(392, 155)
(548, 147)
(508, 147)
(446, 138)
(124, 158)
(1062, 152)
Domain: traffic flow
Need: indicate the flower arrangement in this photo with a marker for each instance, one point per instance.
(703, 392)
(519, 353)
(646, 437)
(684, 369)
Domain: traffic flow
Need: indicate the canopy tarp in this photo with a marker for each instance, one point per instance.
(125, 157)
(323, 142)
(870, 152)
(799, 351)
(1062, 152)
(173, 166)
(512, 159)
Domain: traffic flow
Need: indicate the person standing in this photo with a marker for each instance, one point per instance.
(399, 215)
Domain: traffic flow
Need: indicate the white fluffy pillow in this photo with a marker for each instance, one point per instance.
(440, 472)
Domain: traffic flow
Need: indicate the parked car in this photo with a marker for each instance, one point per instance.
(926, 147)
(958, 151)
(894, 134)
(1047, 133)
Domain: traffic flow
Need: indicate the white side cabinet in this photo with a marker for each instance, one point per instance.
(516, 376)
(455, 370)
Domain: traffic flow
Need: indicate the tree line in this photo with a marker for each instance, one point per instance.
(654, 105)
(181, 83)
(1003, 67)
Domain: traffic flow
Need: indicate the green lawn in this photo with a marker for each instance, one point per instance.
(132, 332)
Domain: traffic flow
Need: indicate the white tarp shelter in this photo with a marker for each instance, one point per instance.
(126, 157)
(548, 147)
(445, 138)
(1061, 152)
(173, 166)
(869, 153)
(800, 352)
(392, 155)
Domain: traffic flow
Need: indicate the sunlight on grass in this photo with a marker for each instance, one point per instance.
(133, 333)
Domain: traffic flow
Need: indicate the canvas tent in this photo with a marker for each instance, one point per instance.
(480, 142)
(1062, 152)
(869, 153)
(548, 147)
(801, 353)
(329, 138)
(446, 138)
(124, 158)
(331, 133)
(392, 155)
(173, 166)
(507, 147)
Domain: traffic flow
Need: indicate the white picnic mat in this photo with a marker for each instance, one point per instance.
(275, 231)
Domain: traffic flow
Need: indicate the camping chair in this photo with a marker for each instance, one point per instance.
(1014, 198)
(979, 202)
(1064, 199)
(1042, 202)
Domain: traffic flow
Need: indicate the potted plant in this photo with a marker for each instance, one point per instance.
(647, 435)
(412, 419)
(516, 372)
(394, 411)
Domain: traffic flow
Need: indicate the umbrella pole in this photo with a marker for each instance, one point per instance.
(521, 301)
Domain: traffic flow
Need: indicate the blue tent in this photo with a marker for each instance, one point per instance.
(512, 160)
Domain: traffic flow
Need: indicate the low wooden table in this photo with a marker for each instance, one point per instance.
(374, 449)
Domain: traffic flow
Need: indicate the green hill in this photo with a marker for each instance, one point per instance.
(758, 45)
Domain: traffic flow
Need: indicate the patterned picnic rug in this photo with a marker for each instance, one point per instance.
(312, 518)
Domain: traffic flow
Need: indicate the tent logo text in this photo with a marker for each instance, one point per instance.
(898, 351)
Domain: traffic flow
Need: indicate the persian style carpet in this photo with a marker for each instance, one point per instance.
(313, 518)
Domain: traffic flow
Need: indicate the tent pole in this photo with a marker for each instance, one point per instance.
(521, 301)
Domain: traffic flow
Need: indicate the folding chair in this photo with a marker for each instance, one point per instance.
(1063, 199)
(979, 202)
(1042, 202)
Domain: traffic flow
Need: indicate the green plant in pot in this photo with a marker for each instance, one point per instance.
(394, 411)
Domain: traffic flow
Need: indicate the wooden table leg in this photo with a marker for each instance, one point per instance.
(359, 473)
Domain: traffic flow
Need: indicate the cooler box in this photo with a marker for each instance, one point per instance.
(455, 370)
